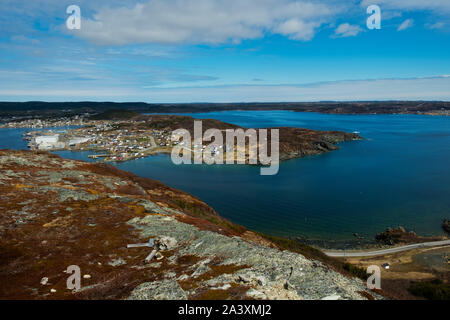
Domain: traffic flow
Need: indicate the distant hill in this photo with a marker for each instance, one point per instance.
(55, 109)
(115, 114)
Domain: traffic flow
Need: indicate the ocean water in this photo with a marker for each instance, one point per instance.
(398, 175)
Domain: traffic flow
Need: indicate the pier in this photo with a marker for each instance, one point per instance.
(96, 156)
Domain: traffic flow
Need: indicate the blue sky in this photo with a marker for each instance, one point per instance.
(224, 51)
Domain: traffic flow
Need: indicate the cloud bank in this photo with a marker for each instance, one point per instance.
(431, 88)
(206, 21)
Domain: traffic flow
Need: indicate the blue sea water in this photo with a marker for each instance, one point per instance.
(398, 175)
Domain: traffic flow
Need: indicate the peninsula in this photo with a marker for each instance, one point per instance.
(119, 138)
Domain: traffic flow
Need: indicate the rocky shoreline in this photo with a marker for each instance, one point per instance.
(382, 240)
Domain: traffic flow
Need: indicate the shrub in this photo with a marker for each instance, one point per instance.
(431, 290)
(356, 271)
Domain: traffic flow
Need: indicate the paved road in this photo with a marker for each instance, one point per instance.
(386, 251)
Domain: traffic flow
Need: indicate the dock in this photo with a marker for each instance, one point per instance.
(96, 156)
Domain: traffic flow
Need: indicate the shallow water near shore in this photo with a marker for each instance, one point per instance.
(398, 175)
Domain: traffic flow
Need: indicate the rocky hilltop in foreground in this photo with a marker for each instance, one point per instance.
(57, 212)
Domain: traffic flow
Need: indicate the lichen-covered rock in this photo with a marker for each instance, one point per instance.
(158, 290)
(272, 273)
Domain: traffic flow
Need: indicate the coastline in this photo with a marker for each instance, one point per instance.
(319, 243)
(103, 209)
(363, 244)
(143, 135)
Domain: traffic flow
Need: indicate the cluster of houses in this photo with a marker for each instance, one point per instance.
(114, 140)
(78, 120)
(117, 141)
(163, 137)
(120, 140)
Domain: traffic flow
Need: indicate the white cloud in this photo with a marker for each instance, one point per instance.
(297, 29)
(437, 25)
(206, 21)
(347, 30)
(408, 23)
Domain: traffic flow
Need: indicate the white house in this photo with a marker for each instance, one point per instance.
(47, 142)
